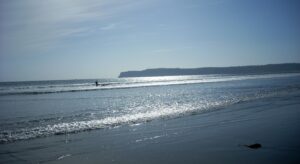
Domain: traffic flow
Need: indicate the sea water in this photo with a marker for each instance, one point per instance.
(30, 110)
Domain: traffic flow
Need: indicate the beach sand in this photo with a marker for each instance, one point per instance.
(212, 137)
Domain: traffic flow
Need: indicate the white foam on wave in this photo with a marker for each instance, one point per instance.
(159, 112)
(77, 126)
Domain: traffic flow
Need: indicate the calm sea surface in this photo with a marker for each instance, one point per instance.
(29, 110)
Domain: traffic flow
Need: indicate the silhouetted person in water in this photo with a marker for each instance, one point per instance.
(96, 83)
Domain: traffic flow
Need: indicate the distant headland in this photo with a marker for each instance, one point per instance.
(235, 70)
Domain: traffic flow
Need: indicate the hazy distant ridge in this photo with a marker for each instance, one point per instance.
(254, 69)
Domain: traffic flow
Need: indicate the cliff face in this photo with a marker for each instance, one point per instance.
(238, 70)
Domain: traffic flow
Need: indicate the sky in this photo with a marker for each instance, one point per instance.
(79, 39)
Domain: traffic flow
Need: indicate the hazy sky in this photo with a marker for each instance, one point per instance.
(73, 39)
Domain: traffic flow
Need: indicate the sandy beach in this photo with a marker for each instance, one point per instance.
(211, 137)
(149, 82)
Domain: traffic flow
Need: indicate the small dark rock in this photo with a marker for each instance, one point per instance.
(254, 146)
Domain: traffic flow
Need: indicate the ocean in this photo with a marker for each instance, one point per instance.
(37, 109)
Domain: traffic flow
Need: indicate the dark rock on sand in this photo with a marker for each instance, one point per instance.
(254, 146)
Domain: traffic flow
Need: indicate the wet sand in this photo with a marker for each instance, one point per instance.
(213, 137)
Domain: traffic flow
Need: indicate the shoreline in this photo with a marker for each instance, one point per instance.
(212, 137)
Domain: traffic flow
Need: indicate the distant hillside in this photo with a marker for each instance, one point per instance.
(237, 70)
